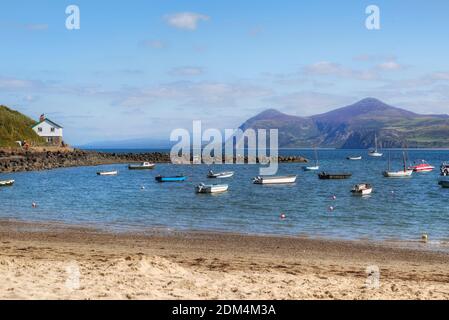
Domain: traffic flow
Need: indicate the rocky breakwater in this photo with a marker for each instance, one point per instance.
(16, 161)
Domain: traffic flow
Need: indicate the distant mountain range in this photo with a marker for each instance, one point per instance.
(355, 126)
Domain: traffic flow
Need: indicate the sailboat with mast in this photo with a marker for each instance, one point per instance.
(405, 172)
(375, 152)
(316, 166)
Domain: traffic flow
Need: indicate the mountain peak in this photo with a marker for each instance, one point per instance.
(269, 113)
(368, 107)
(370, 101)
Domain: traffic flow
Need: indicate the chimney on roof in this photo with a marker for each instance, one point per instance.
(42, 118)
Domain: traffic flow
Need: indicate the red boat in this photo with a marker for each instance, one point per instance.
(421, 167)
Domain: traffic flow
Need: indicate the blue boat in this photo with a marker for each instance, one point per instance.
(170, 179)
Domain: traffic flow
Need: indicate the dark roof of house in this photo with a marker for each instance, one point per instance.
(53, 123)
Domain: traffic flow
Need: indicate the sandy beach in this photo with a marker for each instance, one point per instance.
(43, 261)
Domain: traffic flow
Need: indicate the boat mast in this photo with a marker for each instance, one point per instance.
(389, 161)
(375, 142)
(316, 157)
(405, 161)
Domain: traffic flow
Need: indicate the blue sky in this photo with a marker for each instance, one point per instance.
(143, 68)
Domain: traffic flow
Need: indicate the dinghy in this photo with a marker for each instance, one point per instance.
(141, 166)
(170, 179)
(354, 158)
(6, 183)
(220, 175)
(375, 152)
(362, 189)
(211, 188)
(404, 173)
(275, 179)
(107, 173)
(334, 176)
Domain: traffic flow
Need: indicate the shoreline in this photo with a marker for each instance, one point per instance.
(436, 246)
(36, 259)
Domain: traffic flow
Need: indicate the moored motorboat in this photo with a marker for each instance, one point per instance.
(362, 189)
(444, 183)
(142, 166)
(274, 179)
(220, 175)
(170, 179)
(354, 158)
(422, 167)
(211, 188)
(334, 176)
(444, 169)
(6, 183)
(107, 173)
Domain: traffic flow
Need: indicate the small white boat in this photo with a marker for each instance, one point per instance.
(142, 166)
(362, 189)
(6, 183)
(275, 179)
(316, 167)
(375, 152)
(220, 175)
(211, 188)
(107, 173)
(404, 173)
(354, 158)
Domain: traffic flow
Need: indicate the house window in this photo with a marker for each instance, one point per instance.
(52, 129)
(39, 129)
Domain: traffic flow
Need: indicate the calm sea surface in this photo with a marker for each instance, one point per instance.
(399, 209)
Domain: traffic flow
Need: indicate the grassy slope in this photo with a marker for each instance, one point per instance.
(15, 126)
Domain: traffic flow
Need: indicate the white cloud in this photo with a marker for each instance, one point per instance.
(186, 20)
(187, 71)
(440, 76)
(390, 66)
(306, 103)
(327, 68)
(197, 94)
(12, 84)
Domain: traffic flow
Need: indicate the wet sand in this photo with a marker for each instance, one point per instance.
(49, 261)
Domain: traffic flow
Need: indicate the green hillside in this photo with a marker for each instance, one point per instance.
(15, 126)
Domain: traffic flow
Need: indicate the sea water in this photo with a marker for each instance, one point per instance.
(398, 209)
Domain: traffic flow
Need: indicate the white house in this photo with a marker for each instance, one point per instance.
(49, 130)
